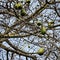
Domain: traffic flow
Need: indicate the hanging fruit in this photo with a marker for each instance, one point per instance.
(43, 30)
(50, 24)
(41, 51)
(23, 12)
(18, 6)
(28, 1)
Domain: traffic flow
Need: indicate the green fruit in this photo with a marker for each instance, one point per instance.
(38, 23)
(28, 1)
(18, 6)
(41, 51)
(23, 12)
(43, 30)
(50, 24)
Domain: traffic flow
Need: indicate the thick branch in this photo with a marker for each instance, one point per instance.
(17, 52)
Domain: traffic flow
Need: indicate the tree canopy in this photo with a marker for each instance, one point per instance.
(29, 29)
